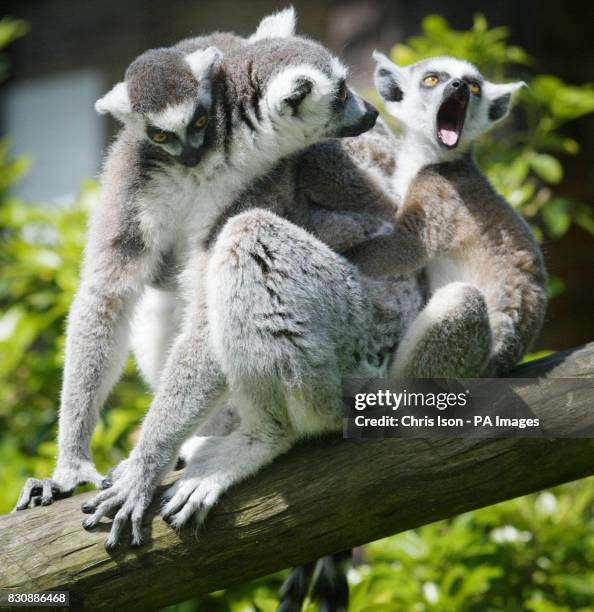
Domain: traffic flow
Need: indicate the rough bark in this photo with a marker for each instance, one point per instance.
(321, 497)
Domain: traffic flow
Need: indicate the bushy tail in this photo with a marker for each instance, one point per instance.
(295, 588)
(330, 589)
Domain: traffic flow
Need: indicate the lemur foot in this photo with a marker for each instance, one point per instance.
(190, 499)
(41, 492)
(126, 500)
(44, 491)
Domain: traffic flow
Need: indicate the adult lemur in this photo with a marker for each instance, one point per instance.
(486, 275)
(272, 317)
(323, 190)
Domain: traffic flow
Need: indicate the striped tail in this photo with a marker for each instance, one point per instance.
(330, 589)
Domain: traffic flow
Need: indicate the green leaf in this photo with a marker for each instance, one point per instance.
(584, 217)
(546, 167)
(555, 286)
(557, 216)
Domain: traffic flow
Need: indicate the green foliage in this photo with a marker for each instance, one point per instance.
(533, 553)
(528, 162)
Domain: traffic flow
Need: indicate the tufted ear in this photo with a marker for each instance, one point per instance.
(116, 102)
(202, 62)
(499, 97)
(289, 89)
(390, 79)
(277, 25)
(301, 87)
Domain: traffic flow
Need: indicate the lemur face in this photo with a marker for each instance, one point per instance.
(166, 98)
(305, 96)
(445, 100)
(310, 101)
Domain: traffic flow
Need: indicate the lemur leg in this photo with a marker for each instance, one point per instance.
(155, 325)
(221, 462)
(279, 312)
(515, 330)
(97, 339)
(190, 387)
(451, 337)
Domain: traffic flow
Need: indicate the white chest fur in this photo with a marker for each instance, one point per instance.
(414, 153)
(183, 204)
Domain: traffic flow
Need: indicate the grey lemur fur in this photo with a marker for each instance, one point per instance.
(271, 316)
(486, 275)
(487, 279)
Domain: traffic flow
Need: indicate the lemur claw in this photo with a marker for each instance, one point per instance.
(109, 479)
(41, 492)
(189, 500)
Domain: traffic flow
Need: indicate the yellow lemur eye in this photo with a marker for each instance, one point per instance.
(475, 88)
(342, 94)
(159, 137)
(430, 81)
(201, 121)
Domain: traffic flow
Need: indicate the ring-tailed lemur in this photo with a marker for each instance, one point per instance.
(486, 275)
(170, 96)
(272, 315)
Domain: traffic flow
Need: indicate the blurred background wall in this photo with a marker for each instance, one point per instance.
(75, 51)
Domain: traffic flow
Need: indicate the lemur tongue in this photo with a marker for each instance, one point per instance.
(448, 136)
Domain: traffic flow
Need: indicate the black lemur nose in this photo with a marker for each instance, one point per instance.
(456, 84)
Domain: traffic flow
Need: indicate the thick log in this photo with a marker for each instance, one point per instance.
(320, 498)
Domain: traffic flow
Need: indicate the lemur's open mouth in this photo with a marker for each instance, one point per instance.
(450, 119)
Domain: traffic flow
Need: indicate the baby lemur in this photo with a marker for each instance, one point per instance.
(485, 270)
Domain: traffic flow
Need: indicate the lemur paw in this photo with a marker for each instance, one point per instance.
(382, 228)
(43, 491)
(189, 499)
(126, 500)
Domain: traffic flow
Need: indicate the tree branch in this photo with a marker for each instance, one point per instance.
(319, 498)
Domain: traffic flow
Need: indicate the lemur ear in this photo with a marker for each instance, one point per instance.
(499, 97)
(389, 78)
(301, 87)
(116, 102)
(277, 25)
(202, 62)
